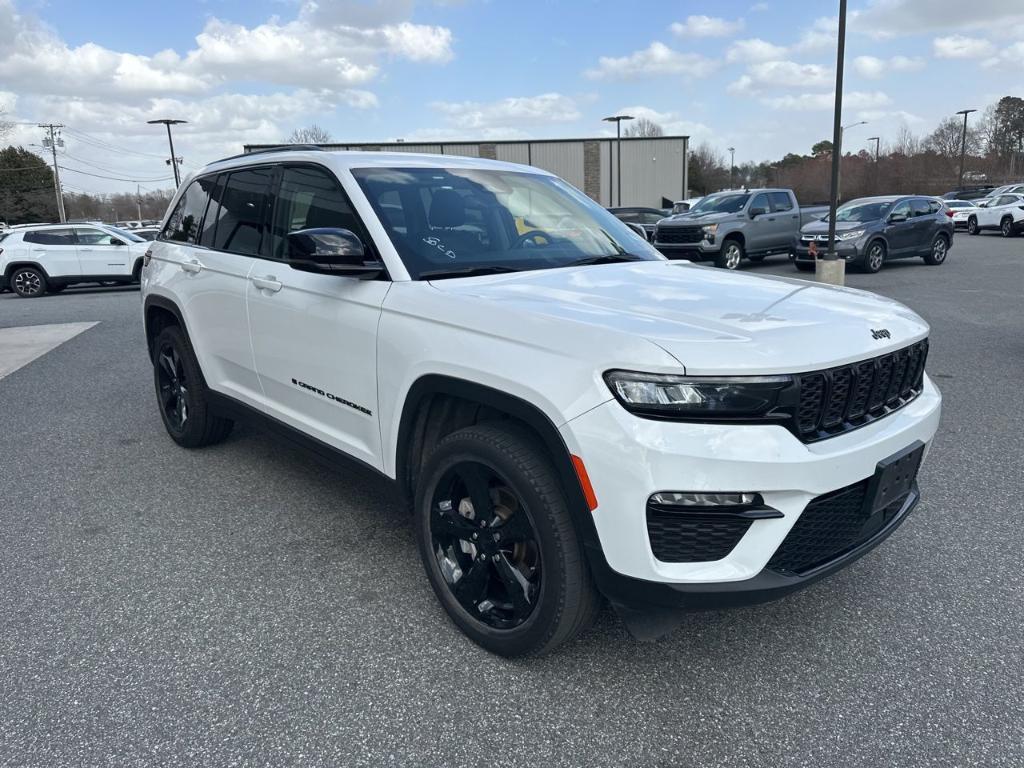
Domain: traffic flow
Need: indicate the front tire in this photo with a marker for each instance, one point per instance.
(1006, 227)
(874, 258)
(972, 226)
(28, 282)
(498, 542)
(730, 256)
(182, 394)
(937, 255)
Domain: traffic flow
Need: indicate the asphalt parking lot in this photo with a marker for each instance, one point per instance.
(241, 606)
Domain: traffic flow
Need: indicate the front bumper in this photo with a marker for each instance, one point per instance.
(629, 458)
(695, 251)
(850, 251)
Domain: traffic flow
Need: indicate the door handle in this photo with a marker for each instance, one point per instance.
(192, 266)
(268, 283)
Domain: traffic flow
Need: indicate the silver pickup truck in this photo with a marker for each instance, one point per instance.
(731, 226)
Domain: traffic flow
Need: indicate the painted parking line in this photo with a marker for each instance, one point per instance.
(20, 346)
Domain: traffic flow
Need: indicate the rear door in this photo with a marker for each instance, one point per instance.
(925, 224)
(314, 336)
(55, 250)
(101, 253)
(211, 248)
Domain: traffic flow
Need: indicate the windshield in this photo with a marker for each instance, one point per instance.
(862, 211)
(446, 221)
(129, 236)
(724, 203)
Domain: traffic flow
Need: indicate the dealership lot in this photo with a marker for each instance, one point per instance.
(240, 605)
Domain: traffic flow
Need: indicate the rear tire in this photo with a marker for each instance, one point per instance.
(972, 226)
(937, 255)
(476, 579)
(182, 394)
(731, 255)
(28, 282)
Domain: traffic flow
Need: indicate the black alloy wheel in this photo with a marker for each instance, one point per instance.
(1006, 227)
(972, 226)
(485, 545)
(172, 387)
(28, 283)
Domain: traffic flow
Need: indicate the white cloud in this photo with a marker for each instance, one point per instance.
(781, 74)
(1008, 58)
(961, 47)
(706, 26)
(512, 111)
(656, 59)
(754, 49)
(672, 122)
(873, 67)
(903, 17)
(820, 35)
(813, 102)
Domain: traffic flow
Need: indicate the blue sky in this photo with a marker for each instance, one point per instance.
(754, 75)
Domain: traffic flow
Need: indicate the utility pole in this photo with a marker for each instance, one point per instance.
(732, 165)
(138, 202)
(963, 145)
(53, 141)
(617, 119)
(173, 162)
(832, 269)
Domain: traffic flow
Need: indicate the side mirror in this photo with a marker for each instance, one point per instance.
(330, 251)
(115, 241)
(638, 229)
(755, 212)
(896, 218)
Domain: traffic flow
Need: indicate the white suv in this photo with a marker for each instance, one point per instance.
(1004, 212)
(568, 414)
(47, 258)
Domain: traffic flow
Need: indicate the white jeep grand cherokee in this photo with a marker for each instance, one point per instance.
(569, 414)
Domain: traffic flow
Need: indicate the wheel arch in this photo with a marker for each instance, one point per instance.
(9, 270)
(436, 405)
(160, 312)
(735, 235)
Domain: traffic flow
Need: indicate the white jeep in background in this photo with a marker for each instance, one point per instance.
(47, 258)
(568, 414)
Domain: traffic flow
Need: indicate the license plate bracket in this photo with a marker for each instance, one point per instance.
(894, 477)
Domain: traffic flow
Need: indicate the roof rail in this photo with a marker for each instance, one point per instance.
(279, 148)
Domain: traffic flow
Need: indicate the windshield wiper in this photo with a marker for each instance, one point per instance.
(610, 258)
(440, 274)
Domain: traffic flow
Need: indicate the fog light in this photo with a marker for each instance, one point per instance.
(685, 499)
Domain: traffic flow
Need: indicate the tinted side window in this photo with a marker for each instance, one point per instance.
(781, 201)
(759, 201)
(242, 218)
(94, 237)
(1005, 200)
(50, 237)
(308, 198)
(213, 212)
(920, 207)
(902, 208)
(628, 216)
(183, 224)
(651, 218)
(934, 206)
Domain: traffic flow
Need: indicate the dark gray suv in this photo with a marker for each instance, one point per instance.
(873, 230)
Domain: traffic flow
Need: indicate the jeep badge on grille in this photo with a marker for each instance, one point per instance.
(881, 333)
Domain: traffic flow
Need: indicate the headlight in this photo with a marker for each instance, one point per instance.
(851, 235)
(709, 229)
(697, 397)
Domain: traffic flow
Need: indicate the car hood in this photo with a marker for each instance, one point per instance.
(697, 218)
(710, 320)
(821, 227)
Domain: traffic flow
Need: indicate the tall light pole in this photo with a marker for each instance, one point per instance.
(174, 159)
(963, 144)
(831, 269)
(617, 119)
(732, 165)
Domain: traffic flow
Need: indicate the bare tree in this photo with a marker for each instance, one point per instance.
(643, 128)
(946, 139)
(312, 134)
(906, 143)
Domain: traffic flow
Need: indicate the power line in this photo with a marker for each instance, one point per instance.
(113, 178)
(94, 165)
(88, 138)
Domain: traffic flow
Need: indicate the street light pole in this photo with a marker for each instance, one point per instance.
(878, 141)
(617, 119)
(963, 144)
(732, 166)
(174, 159)
(831, 269)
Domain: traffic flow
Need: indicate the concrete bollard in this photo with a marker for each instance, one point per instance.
(831, 272)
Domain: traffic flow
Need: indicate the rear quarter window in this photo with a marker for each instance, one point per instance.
(183, 224)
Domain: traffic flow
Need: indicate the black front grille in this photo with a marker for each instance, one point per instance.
(679, 537)
(678, 235)
(844, 398)
(830, 526)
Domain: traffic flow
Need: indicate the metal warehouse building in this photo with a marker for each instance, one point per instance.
(655, 170)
